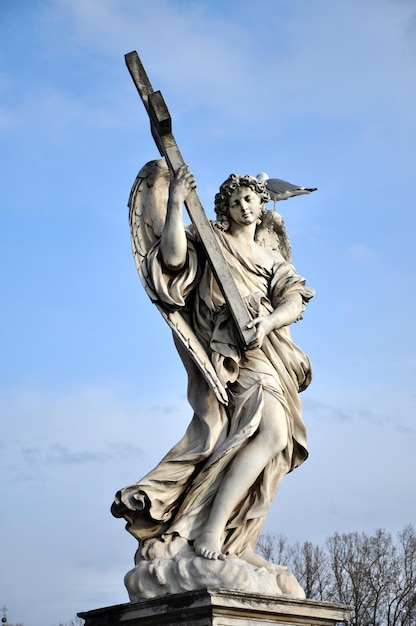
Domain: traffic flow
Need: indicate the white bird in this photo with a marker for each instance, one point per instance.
(281, 189)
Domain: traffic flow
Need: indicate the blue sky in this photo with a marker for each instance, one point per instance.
(92, 393)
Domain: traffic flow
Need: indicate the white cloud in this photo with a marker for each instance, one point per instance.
(354, 63)
(48, 431)
(358, 68)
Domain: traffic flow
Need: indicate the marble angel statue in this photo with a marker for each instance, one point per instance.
(198, 514)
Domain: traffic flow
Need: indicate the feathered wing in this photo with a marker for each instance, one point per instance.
(148, 204)
(272, 233)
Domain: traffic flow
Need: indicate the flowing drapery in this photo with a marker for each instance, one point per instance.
(175, 498)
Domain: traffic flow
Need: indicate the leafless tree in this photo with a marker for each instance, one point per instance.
(76, 621)
(275, 548)
(373, 573)
(311, 567)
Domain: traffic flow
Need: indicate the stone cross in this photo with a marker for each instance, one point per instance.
(161, 128)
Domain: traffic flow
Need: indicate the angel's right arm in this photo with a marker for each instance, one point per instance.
(173, 244)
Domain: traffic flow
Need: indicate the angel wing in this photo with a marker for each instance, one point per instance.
(272, 233)
(148, 204)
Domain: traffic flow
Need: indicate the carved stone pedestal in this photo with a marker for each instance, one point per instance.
(219, 608)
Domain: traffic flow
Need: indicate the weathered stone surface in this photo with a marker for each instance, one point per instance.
(221, 608)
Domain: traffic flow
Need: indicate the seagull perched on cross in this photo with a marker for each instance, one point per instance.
(281, 189)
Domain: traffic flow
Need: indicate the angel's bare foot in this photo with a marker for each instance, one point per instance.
(208, 546)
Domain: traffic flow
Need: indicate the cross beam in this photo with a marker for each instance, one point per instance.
(161, 127)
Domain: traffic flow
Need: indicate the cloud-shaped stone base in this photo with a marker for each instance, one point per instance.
(177, 569)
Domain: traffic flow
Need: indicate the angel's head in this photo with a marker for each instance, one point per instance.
(234, 183)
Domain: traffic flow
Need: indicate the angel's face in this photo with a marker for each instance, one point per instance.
(245, 206)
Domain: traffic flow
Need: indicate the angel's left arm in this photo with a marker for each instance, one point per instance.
(288, 311)
(289, 297)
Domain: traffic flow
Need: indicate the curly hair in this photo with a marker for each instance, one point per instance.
(233, 182)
